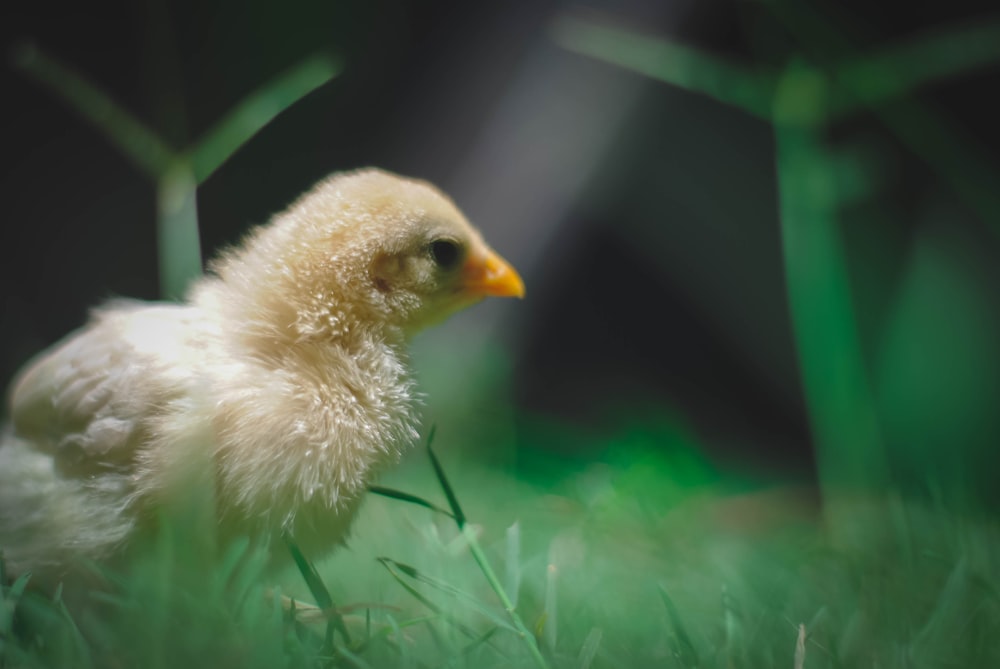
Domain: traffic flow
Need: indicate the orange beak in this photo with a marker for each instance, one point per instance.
(489, 275)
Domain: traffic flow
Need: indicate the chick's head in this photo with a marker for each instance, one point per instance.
(367, 250)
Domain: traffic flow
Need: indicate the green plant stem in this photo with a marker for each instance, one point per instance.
(257, 110)
(484, 565)
(179, 245)
(956, 159)
(407, 497)
(319, 592)
(176, 173)
(140, 144)
(480, 557)
(899, 69)
(841, 405)
(667, 61)
(868, 81)
(877, 82)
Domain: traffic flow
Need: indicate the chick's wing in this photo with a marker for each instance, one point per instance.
(89, 400)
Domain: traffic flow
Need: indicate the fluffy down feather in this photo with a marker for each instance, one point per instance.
(282, 380)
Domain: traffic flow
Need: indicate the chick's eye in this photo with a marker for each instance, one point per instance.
(446, 253)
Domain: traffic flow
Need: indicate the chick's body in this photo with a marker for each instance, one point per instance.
(282, 382)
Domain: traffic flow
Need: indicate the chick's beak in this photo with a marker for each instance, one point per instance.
(489, 275)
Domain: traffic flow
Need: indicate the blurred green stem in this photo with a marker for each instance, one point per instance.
(177, 173)
(480, 557)
(177, 230)
(841, 406)
(878, 81)
(484, 565)
(668, 61)
(137, 141)
(869, 80)
(873, 81)
(257, 110)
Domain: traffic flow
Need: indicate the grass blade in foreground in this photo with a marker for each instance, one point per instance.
(464, 629)
(480, 558)
(76, 638)
(407, 497)
(319, 592)
(449, 493)
(589, 649)
(438, 584)
(9, 598)
(685, 653)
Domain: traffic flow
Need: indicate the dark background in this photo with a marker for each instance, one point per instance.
(644, 217)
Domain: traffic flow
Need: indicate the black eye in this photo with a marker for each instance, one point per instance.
(446, 253)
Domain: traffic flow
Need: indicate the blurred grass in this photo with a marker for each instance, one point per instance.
(610, 573)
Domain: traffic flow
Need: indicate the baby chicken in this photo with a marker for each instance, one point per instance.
(282, 380)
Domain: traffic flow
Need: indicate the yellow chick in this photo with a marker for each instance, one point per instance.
(284, 376)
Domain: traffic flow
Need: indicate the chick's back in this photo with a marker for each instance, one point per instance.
(81, 413)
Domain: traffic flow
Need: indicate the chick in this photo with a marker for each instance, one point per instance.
(283, 379)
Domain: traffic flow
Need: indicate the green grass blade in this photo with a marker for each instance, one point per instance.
(900, 69)
(550, 613)
(669, 62)
(513, 565)
(483, 638)
(480, 557)
(133, 138)
(893, 72)
(954, 609)
(449, 493)
(838, 393)
(417, 575)
(589, 649)
(351, 659)
(9, 597)
(685, 652)
(179, 244)
(83, 657)
(317, 588)
(800, 647)
(956, 159)
(416, 594)
(407, 497)
(17, 587)
(734, 641)
(867, 82)
(257, 110)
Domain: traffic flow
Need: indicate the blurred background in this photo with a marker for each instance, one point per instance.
(644, 217)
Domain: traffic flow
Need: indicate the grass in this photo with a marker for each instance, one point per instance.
(602, 570)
